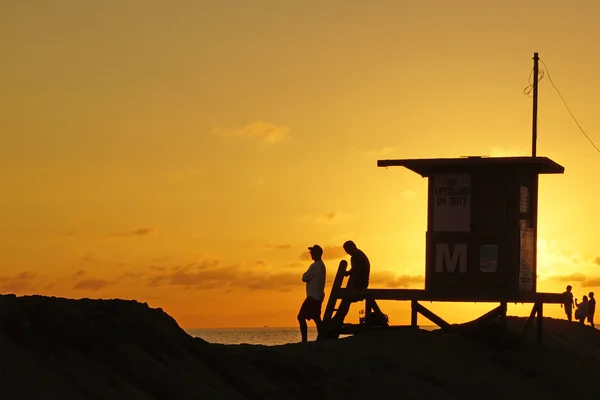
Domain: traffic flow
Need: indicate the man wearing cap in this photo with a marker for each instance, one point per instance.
(315, 291)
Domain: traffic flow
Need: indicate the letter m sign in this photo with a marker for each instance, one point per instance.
(451, 260)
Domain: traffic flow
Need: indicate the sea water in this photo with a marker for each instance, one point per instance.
(263, 336)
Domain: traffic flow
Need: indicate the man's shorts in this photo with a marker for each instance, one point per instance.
(311, 309)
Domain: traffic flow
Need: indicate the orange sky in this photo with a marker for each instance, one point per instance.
(185, 154)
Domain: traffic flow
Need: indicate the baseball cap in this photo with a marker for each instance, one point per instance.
(316, 248)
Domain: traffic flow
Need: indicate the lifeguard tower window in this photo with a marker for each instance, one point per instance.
(481, 224)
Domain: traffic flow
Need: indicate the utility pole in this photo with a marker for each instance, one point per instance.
(535, 100)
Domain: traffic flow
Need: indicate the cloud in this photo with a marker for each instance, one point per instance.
(74, 232)
(574, 277)
(76, 229)
(79, 274)
(380, 152)
(136, 232)
(88, 256)
(555, 260)
(212, 274)
(329, 253)
(131, 275)
(17, 282)
(592, 282)
(597, 260)
(326, 218)
(332, 217)
(277, 246)
(388, 279)
(566, 266)
(267, 132)
(584, 280)
(92, 284)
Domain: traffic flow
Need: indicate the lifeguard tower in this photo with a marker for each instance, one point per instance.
(481, 239)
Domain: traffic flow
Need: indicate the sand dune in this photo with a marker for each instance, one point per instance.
(55, 348)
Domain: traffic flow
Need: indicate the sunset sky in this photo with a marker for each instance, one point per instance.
(186, 153)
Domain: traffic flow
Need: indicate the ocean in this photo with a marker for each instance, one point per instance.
(261, 336)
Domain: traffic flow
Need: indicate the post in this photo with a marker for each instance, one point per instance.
(540, 322)
(413, 313)
(535, 100)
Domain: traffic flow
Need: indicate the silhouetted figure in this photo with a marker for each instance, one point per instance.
(315, 292)
(582, 310)
(568, 303)
(358, 277)
(591, 309)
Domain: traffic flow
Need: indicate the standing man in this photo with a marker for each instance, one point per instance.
(358, 277)
(315, 291)
(591, 309)
(568, 302)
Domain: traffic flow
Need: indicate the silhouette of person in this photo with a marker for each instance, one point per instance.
(582, 310)
(358, 277)
(591, 309)
(568, 303)
(315, 292)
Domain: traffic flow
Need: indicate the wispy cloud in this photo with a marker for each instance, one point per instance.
(332, 217)
(16, 283)
(329, 253)
(270, 246)
(76, 230)
(326, 218)
(388, 279)
(213, 274)
(265, 131)
(574, 277)
(134, 233)
(79, 274)
(553, 259)
(584, 280)
(558, 264)
(380, 152)
(92, 284)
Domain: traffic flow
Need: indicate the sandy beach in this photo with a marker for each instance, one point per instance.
(54, 348)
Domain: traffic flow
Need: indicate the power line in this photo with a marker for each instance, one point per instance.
(529, 89)
(565, 103)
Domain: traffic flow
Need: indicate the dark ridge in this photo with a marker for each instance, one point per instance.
(55, 348)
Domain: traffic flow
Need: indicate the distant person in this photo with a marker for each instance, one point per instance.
(582, 310)
(315, 292)
(568, 303)
(591, 310)
(358, 277)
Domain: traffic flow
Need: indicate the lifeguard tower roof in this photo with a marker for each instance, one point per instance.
(427, 167)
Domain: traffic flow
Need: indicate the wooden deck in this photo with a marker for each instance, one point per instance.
(422, 295)
(333, 328)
